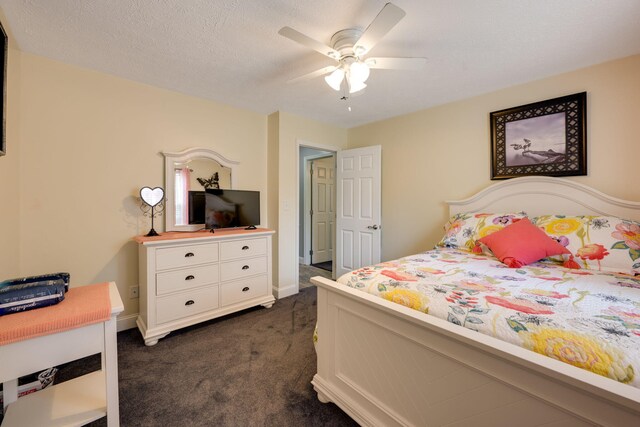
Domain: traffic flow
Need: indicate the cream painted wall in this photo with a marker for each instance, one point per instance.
(88, 142)
(443, 153)
(292, 131)
(9, 173)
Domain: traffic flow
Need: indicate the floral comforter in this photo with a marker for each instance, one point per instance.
(588, 319)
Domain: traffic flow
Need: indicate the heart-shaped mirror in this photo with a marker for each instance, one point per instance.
(151, 196)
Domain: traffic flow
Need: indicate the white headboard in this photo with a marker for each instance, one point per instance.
(541, 195)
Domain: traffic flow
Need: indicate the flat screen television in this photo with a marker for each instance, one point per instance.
(224, 208)
(196, 207)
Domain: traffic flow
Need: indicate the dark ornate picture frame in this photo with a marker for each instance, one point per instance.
(544, 138)
(4, 47)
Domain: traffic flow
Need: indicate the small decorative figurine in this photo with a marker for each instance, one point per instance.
(212, 182)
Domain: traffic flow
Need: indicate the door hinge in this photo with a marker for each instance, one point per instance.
(311, 212)
(311, 171)
(311, 252)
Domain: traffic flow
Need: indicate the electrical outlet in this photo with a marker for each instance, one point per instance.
(134, 292)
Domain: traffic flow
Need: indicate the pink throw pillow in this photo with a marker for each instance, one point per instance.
(522, 243)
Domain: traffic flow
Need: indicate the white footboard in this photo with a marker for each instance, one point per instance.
(385, 364)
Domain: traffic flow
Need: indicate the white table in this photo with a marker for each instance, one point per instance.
(72, 403)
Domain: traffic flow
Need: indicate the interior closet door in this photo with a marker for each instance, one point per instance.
(358, 217)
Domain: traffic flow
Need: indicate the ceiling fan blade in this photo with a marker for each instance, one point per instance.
(307, 41)
(388, 17)
(313, 74)
(396, 63)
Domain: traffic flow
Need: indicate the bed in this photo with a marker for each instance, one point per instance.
(387, 364)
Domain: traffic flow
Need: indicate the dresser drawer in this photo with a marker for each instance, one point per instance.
(186, 278)
(242, 268)
(243, 248)
(184, 256)
(241, 290)
(184, 304)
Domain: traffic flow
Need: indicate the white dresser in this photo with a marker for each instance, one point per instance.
(187, 278)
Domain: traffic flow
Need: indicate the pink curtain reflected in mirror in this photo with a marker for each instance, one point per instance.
(182, 180)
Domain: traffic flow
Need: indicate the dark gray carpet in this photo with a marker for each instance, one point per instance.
(248, 369)
(306, 272)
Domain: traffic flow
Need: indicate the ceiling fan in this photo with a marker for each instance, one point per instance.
(348, 48)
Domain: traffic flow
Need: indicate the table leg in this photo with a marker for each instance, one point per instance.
(110, 369)
(9, 392)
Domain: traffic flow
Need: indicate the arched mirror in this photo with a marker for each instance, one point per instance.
(187, 175)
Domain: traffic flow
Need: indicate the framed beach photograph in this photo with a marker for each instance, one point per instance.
(544, 138)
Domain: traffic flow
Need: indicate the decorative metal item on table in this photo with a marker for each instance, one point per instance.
(152, 205)
(544, 138)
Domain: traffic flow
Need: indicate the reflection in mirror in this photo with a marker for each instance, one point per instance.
(191, 179)
(187, 175)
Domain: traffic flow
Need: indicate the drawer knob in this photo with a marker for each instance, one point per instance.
(245, 267)
(188, 255)
(245, 289)
(190, 302)
(189, 277)
(244, 248)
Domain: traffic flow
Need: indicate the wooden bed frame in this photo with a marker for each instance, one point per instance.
(385, 364)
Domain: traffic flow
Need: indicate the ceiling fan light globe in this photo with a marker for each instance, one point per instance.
(356, 86)
(334, 80)
(359, 71)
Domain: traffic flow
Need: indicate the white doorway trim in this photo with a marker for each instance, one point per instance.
(299, 144)
(307, 203)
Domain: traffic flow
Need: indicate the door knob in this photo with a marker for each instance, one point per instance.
(373, 227)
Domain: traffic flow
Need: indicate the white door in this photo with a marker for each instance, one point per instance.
(358, 216)
(322, 209)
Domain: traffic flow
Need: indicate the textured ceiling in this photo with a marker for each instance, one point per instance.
(229, 51)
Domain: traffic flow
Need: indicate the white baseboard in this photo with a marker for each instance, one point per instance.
(127, 321)
(285, 291)
(301, 260)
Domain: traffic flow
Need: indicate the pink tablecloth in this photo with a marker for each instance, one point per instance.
(82, 305)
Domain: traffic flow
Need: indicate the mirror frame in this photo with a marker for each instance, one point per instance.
(170, 158)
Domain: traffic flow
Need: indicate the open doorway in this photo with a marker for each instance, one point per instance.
(321, 214)
(317, 208)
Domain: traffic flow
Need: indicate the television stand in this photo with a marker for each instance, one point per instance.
(188, 278)
(251, 227)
